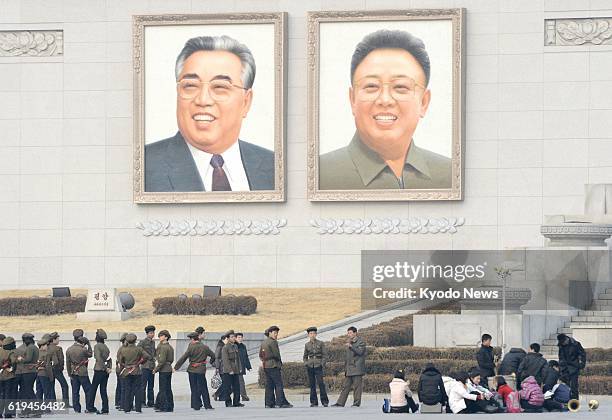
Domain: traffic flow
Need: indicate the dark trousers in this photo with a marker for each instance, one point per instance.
(199, 391)
(231, 385)
(76, 383)
(59, 377)
(165, 398)
(572, 381)
(132, 395)
(148, 381)
(119, 391)
(470, 407)
(410, 406)
(315, 376)
(530, 408)
(355, 382)
(8, 391)
(275, 392)
(25, 382)
(44, 388)
(552, 405)
(100, 379)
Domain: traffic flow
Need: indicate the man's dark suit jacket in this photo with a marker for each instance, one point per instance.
(169, 166)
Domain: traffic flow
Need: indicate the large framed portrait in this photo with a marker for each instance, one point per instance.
(385, 105)
(209, 108)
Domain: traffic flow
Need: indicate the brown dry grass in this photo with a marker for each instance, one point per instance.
(293, 310)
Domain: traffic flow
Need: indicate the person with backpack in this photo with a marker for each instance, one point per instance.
(572, 359)
(401, 396)
(486, 360)
(532, 398)
(460, 400)
(431, 387)
(533, 364)
(511, 361)
(503, 389)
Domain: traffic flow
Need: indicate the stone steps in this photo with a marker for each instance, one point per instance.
(608, 290)
(602, 302)
(594, 313)
(591, 319)
(605, 296)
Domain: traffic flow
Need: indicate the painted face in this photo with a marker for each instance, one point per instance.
(212, 122)
(388, 98)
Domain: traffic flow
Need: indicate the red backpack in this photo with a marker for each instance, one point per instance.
(513, 402)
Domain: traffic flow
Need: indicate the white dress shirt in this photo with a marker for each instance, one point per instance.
(232, 165)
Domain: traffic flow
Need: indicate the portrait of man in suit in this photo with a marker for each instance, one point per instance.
(389, 95)
(214, 92)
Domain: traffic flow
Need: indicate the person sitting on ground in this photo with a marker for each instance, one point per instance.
(511, 361)
(448, 382)
(460, 400)
(551, 376)
(401, 396)
(557, 398)
(532, 398)
(503, 389)
(532, 365)
(474, 384)
(431, 386)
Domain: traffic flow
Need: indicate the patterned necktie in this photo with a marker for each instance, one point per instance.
(219, 179)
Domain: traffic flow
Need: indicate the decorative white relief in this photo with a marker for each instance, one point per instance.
(211, 227)
(578, 31)
(388, 225)
(31, 43)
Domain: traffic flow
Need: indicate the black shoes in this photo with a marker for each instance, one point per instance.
(286, 406)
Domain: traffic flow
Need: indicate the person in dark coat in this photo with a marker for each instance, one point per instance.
(486, 360)
(431, 386)
(572, 359)
(245, 364)
(551, 376)
(511, 361)
(532, 365)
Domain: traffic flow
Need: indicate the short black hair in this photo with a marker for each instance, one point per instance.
(474, 372)
(553, 364)
(461, 376)
(500, 381)
(239, 334)
(486, 337)
(399, 374)
(352, 329)
(535, 347)
(386, 38)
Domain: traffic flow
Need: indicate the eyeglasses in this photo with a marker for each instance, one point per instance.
(401, 89)
(219, 90)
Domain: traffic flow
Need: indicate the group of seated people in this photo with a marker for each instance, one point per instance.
(463, 392)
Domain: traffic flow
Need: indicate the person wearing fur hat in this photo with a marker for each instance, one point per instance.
(148, 379)
(25, 371)
(8, 382)
(164, 356)
(57, 352)
(77, 359)
(119, 388)
(131, 358)
(102, 369)
(572, 359)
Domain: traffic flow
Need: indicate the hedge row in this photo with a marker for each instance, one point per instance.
(337, 353)
(220, 305)
(41, 306)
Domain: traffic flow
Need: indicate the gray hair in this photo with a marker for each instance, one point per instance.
(385, 38)
(219, 43)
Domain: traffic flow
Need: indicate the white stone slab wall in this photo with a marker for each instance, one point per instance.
(538, 127)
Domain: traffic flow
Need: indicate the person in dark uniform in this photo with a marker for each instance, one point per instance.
(486, 360)
(164, 356)
(44, 370)
(58, 370)
(77, 359)
(131, 358)
(572, 359)
(148, 379)
(315, 357)
(245, 364)
(8, 381)
(270, 356)
(119, 388)
(197, 353)
(231, 371)
(27, 361)
(201, 333)
(102, 368)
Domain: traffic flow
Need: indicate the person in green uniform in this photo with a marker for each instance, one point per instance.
(164, 356)
(119, 388)
(8, 381)
(230, 372)
(58, 370)
(102, 369)
(44, 370)
(199, 355)
(148, 379)
(25, 371)
(131, 358)
(77, 359)
(270, 356)
(315, 356)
